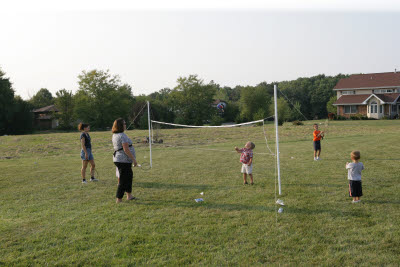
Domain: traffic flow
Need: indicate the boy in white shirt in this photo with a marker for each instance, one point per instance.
(354, 175)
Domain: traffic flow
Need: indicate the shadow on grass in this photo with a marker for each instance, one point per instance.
(317, 185)
(176, 186)
(396, 202)
(207, 205)
(334, 212)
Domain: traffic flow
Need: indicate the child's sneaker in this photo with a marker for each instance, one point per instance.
(84, 181)
(93, 179)
(355, 201)
(318, 158)
(315, 159)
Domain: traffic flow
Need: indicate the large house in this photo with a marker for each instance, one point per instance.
(44, 118)
(374, 95)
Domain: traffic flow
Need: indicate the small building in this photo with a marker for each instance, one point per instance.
(44, 118)
(374, 95)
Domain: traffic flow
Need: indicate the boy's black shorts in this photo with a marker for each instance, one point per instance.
(317, 145)
(355, 188)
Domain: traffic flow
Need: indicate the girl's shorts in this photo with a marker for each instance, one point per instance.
(89, 152)
(355, 188)
(247, 169)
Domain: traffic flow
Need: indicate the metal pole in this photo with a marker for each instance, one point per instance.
(148, 116)
(277, 140)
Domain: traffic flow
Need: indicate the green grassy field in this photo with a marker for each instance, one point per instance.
(48, 217)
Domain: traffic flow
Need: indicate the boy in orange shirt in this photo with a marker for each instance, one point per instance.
(318, 135)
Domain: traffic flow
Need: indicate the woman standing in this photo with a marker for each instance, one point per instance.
(86, 152)
(124, 156)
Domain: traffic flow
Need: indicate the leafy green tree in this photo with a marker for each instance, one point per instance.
(15, 113)
(65, 104)
(231, 111)
(283, 110)
(252, 100)
(191, 100)
(102, 98)
(42, 98)
(22, 117)
(295, 112)
(6, 104)
(330, 107)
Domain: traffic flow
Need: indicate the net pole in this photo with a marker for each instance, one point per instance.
(148, 117)
(277, 141)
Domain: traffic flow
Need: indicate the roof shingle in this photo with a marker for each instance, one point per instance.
(50, 108)
(359, 99)
(373, 80)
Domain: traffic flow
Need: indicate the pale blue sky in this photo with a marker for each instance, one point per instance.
(151, 48)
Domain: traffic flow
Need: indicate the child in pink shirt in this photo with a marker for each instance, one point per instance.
(246, 158)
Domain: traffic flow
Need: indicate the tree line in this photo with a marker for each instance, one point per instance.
(101, 97)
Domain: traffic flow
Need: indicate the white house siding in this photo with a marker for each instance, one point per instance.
(377, 115)
(363, 91)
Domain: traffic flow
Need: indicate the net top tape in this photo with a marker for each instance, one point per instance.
(220, 126)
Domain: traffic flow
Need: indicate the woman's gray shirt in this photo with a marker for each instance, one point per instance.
(118, 139)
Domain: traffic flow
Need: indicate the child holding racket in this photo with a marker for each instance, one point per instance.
(246, 158)
(86, 152)
(318, 135)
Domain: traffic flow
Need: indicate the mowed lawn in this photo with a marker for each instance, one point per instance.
(48, 217)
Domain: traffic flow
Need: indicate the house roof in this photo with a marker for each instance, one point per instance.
(372, 80)
(388, 98)
(362, 99)
(50, 108)
(351, 99)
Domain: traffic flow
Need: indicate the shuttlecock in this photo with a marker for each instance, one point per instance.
(280, 210)
(280, 202)
(202, 193)
(292, 157)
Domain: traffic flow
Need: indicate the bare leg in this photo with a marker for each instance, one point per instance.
(119, 200)
(128, 196)
(245, 178)
(319, 153)
(83, 170)
(92, 167)
(251, 178)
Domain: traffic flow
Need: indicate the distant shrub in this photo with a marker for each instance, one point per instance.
(297, 123)
(216, 120)
(355, 117)
(340, 118)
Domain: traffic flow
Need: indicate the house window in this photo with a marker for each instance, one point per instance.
(381, 109)
(348, 92)
(374, 107)
(350, 109)
(394, 108)
(383, 91)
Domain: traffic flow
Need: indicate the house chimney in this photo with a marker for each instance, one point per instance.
(395, 70)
